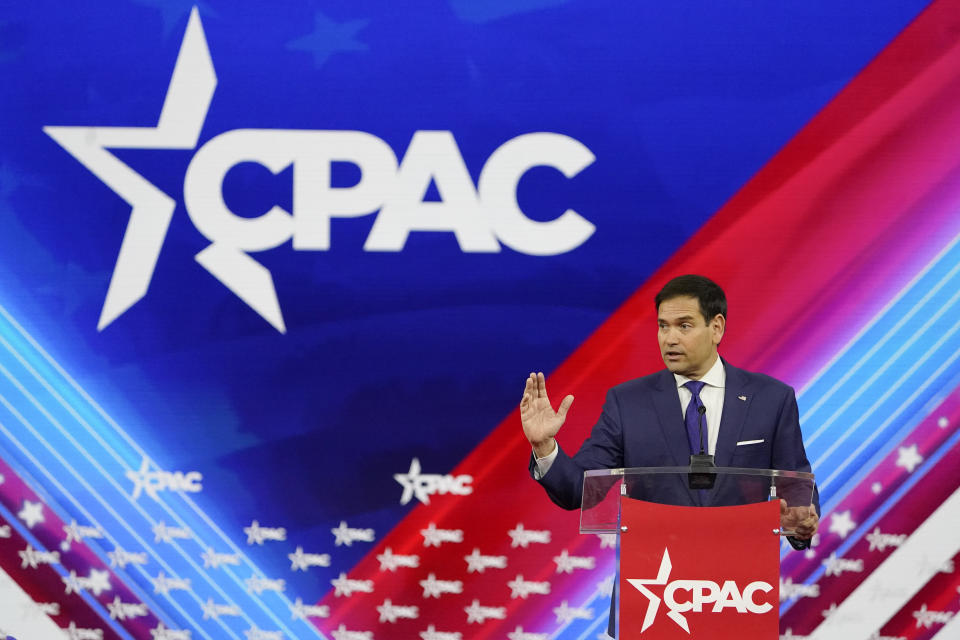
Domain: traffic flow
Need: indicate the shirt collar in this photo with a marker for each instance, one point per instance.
(715, 377)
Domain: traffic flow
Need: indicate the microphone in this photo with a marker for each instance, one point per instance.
(701, 461)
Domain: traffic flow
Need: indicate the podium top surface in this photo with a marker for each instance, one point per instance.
(736, 471)
(604, 489)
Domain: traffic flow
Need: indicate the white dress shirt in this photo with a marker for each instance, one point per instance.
(711, 396)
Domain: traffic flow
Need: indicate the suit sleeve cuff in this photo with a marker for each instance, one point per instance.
(543, 464)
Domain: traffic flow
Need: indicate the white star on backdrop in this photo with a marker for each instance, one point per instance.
(414, 484)
(188, 95)
(479, 563)
(565, 613)
(909, 458)
(31, 513)
(520, 634)
(842, 524)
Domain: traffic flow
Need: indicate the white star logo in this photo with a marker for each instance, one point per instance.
(479, 613)
(909, 458)
(479, 563)
(31, 513)
(300, 561)
(653, 601)
(178, 127)
(519, 634)
(344, 535)
(434, 537)
(842, 524)
(565, 613)
(412, 483)
(433, 588)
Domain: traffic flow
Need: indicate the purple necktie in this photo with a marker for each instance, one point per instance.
(692, 417)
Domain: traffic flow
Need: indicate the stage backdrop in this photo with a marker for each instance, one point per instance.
(272, 276)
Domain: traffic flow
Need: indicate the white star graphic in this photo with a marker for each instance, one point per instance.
(344, 535)
(431, 633)
(909, 458)
(433, 588)
(607, 540)
(253, 533)
(943, 422)
(413, 485)
(826, 613)
(479, 613)
(434, 537)
(876, 487)
(300, 561)
(842, 524)
(566, 563)
(653, 601)
(389, 561)
(565, 613)
(605, 586)
(178, 127)
(519, 634)
(31, 513)
(479, 563)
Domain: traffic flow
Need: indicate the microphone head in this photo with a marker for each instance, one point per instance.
(701, 409)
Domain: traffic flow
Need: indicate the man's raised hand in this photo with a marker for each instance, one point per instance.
(540, 422)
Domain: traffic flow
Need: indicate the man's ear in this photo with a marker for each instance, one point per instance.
(718, 325)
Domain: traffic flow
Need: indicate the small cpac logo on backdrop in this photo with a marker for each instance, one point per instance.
(423, 485)
(481, 217)
(152, 482)
(682, 596)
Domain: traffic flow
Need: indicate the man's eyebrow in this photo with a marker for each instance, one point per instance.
(680, 319)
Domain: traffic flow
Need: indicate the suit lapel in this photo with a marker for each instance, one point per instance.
(667, 405)
(736, 401)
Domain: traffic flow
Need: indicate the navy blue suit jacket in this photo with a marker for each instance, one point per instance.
(642, 426)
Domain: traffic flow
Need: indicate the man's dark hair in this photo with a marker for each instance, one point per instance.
(707, 292)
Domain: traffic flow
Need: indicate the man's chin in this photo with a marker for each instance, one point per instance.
(674, 366)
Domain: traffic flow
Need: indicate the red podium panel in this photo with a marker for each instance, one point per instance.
(707, 573)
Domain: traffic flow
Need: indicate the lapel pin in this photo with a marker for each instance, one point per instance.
(743, 398)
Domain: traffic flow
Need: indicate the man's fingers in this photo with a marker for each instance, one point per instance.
(783, 506)
(525, 401)
(564, 407)
(541, 385)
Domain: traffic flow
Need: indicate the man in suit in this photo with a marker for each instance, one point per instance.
(751, 420)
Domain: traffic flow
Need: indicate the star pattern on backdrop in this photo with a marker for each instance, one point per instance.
(31, 513)
(909, 458)
(328, 38)
(842, 523)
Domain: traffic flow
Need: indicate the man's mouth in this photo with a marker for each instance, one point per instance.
(673, 355)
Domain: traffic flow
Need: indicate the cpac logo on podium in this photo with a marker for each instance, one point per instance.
(481, 218)
(697, 596)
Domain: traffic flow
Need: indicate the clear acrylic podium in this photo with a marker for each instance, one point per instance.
(683, 510)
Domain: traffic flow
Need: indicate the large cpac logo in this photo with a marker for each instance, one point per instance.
(683, 596)
(481, 217)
